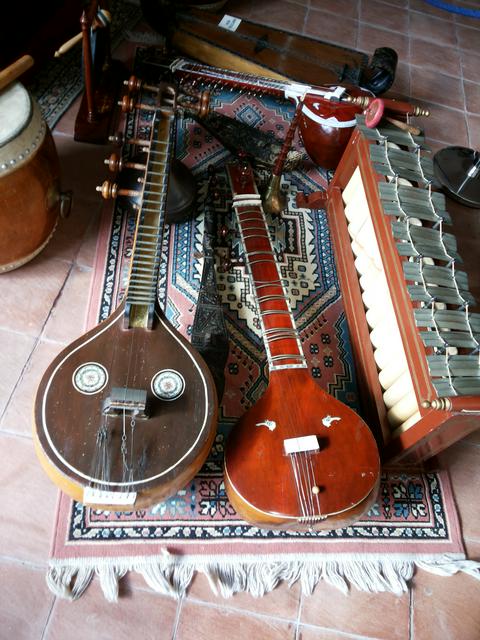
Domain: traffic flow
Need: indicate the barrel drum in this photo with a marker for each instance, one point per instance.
(30, 199)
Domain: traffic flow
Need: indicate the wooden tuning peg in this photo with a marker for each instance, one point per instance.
(119, 140)
(134, 84)
(116, 138)
(115, 163)
(110, 190)
(128, 105)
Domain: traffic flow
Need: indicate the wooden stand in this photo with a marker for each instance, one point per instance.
(103, 81)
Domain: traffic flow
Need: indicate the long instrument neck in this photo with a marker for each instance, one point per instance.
(245, 81)
(141, 293)
(282, 343)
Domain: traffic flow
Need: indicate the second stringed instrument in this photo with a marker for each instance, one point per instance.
(299, 458)
(126, 415)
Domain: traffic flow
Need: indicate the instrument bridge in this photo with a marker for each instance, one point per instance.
(126, 401)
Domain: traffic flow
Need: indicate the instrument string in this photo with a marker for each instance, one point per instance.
(302, 466)
(154, 193)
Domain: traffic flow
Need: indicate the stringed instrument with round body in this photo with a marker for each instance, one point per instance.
(299, 458)
(126, 415)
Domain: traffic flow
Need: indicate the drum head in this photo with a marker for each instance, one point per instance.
(15, 111)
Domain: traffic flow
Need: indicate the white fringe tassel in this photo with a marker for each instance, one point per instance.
(171, 575)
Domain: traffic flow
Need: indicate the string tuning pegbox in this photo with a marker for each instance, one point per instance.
(193, 101)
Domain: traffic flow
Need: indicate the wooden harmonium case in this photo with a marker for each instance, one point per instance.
(415, 338)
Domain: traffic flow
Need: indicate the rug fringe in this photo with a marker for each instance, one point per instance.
(172, 575)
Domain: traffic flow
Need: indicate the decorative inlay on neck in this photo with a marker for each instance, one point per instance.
(282, 343)
(142, 284)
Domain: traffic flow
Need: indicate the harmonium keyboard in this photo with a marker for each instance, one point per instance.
(415, 338)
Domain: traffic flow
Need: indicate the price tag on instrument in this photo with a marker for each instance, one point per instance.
(98, 496)
(229, 22)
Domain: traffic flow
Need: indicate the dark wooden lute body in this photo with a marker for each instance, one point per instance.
(299, 458)
(125, 415)
(168, 447)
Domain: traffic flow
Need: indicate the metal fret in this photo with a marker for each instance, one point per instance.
(288, 356)
(262, 299)
(270, 312)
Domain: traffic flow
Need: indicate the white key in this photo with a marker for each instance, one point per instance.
(403, 409)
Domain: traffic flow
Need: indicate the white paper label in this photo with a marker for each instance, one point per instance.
(98, 496)
(297, 445)
(229, 22)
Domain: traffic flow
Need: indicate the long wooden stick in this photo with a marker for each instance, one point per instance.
(15, 70)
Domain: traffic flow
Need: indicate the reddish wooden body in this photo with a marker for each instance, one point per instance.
(438, 427)
(326, 127)
(330, 476)
(176, 437)
(259, 476)
(29, 191)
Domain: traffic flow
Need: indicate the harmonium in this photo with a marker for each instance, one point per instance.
(415, 338)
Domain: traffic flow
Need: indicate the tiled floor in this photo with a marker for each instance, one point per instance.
(43, 306)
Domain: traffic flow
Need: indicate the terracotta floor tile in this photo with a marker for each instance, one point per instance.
(468, 39)
(401, 83)
(434, 87)
(381, 15)
(468, 21)
(28, 293)
(445, 607)
(82, 166)
(25, 603)
(27, 502)
(474, 132)
(205, 622)
(446, 125)
(328, 608)
(71, 232)
(466, 226)
(281, 14)
(472, 96)
(345, 8)
(432, 55)
(426, 27)
(87, 251)
(282, 601)
(370, 38)
(472, 548)
(141, 615)
(242, 8)
(67, 319)
(470, 66)
(66, 124)
(327, 27)
(15, 349)
(18, 415)
(395, 3)
(462, 461)
(425, 8)
(316, 633)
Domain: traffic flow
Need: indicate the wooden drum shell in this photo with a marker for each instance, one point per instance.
(29, 192)
(325, 128)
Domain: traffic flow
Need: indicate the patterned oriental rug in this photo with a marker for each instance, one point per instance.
(413, 523)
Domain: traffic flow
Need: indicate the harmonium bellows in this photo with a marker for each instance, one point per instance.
(415, 338)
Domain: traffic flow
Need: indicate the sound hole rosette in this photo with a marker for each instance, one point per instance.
(90, 378)
(168, 385)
